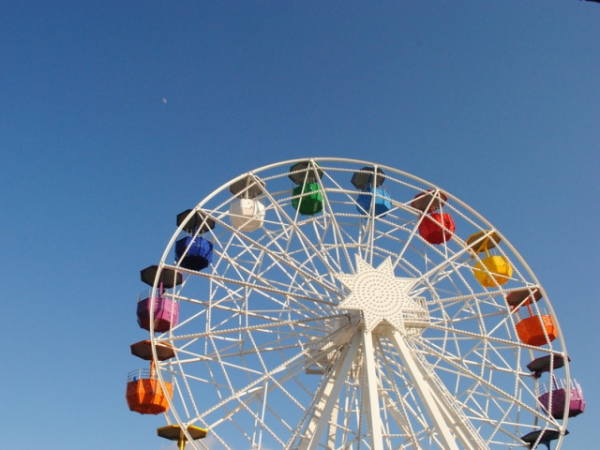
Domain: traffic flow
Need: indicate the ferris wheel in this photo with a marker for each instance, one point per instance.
(329, 303)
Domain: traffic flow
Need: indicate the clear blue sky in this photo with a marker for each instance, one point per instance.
(117, 115)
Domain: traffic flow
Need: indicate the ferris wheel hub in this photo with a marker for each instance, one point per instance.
(384, 299)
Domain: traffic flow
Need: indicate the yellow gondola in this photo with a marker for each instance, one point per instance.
(493, 270)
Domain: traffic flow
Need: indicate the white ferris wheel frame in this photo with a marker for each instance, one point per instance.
(447, 423)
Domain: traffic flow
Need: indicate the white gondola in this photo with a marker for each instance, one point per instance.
(246, 212)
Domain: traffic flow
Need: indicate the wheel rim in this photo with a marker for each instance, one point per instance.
(266, 358)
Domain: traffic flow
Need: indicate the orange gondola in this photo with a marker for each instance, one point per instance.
(144, 393)
(532, 329)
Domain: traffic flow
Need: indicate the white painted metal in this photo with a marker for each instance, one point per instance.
(407, 350)
(451, 425)
(322, 412)
(370, 392)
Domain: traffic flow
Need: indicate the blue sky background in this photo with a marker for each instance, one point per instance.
(496, 102)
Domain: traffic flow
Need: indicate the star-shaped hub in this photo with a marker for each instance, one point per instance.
(380, 295)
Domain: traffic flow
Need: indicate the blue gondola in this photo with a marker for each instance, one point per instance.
(194, 253)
